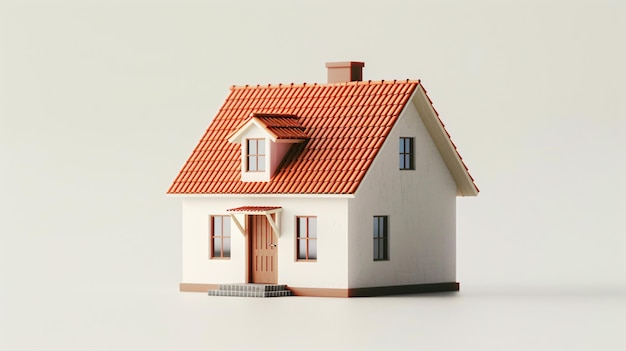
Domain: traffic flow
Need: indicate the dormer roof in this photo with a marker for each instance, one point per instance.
(280, 127)
(343, 126)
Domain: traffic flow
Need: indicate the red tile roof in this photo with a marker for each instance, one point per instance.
(345, 124)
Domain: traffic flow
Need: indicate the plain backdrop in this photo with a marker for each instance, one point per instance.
(101, 102)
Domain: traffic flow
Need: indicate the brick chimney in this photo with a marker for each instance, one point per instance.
(344, 71)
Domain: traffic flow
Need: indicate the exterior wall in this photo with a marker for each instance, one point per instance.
(329, 271)
(421, 205)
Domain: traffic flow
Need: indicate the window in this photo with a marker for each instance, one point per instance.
(381, 239)
(306, 243)
(406, 153)
(220, 237)
(256, 155)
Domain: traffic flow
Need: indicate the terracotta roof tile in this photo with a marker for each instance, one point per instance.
(344, 125)
(283, 126)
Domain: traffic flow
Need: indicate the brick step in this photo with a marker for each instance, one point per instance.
(251, 290)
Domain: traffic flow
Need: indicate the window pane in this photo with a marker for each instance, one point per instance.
(375, 249)
(226, 247)
(383, 226)
(375, 227)
(312, 227)
(301, 249)
(252, 163)
(261, 163)
(301, 227)
(312, 249)
(401, 145)
(226, 226)
(217, 226)
(384, 249)
(217, 247)
(261, 147)
(252, 147)
(402, 165)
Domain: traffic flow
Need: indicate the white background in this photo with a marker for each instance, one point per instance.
(102, 101)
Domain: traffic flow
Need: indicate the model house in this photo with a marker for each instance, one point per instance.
(340, 189)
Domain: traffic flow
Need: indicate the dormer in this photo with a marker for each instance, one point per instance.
(265, 139)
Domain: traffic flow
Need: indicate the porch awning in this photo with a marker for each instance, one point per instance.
(255, 209)
(258, 210)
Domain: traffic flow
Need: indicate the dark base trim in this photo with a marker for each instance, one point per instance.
(403, 289)
(351, 292)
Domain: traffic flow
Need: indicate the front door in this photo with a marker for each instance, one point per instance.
(263, 263)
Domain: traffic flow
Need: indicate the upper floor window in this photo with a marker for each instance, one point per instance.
(406, 153)
(306, 244)
(255, 156)
(220, 237)
(381, 238)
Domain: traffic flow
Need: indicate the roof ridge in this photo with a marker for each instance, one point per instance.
(305, 84)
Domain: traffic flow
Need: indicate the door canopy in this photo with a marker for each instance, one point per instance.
(258, 210)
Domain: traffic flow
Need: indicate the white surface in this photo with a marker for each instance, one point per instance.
(101, 102)
(159, 320)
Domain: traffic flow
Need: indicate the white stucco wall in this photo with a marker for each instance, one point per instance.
(329, 271)
(421, 206)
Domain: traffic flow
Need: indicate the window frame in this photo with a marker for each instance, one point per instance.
(406, 155)
(222, 237)
(259, 166)
(307, 239)
(380, 236)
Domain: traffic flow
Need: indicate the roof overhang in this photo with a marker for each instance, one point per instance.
(464, 182)
(262, 195)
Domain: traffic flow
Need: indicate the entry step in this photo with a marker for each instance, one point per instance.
(251, 290)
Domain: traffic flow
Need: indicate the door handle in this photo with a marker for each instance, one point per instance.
(273, 245)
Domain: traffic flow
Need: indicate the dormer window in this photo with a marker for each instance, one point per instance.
(265, 139)
(255, 158)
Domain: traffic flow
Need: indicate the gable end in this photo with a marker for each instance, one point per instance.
(464, 181)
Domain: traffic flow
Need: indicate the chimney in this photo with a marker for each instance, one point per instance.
(345, 71)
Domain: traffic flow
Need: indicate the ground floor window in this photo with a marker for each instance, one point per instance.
(306, 242)
(381, 238)
(220, 237)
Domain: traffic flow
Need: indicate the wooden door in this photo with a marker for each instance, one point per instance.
(263, 259)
